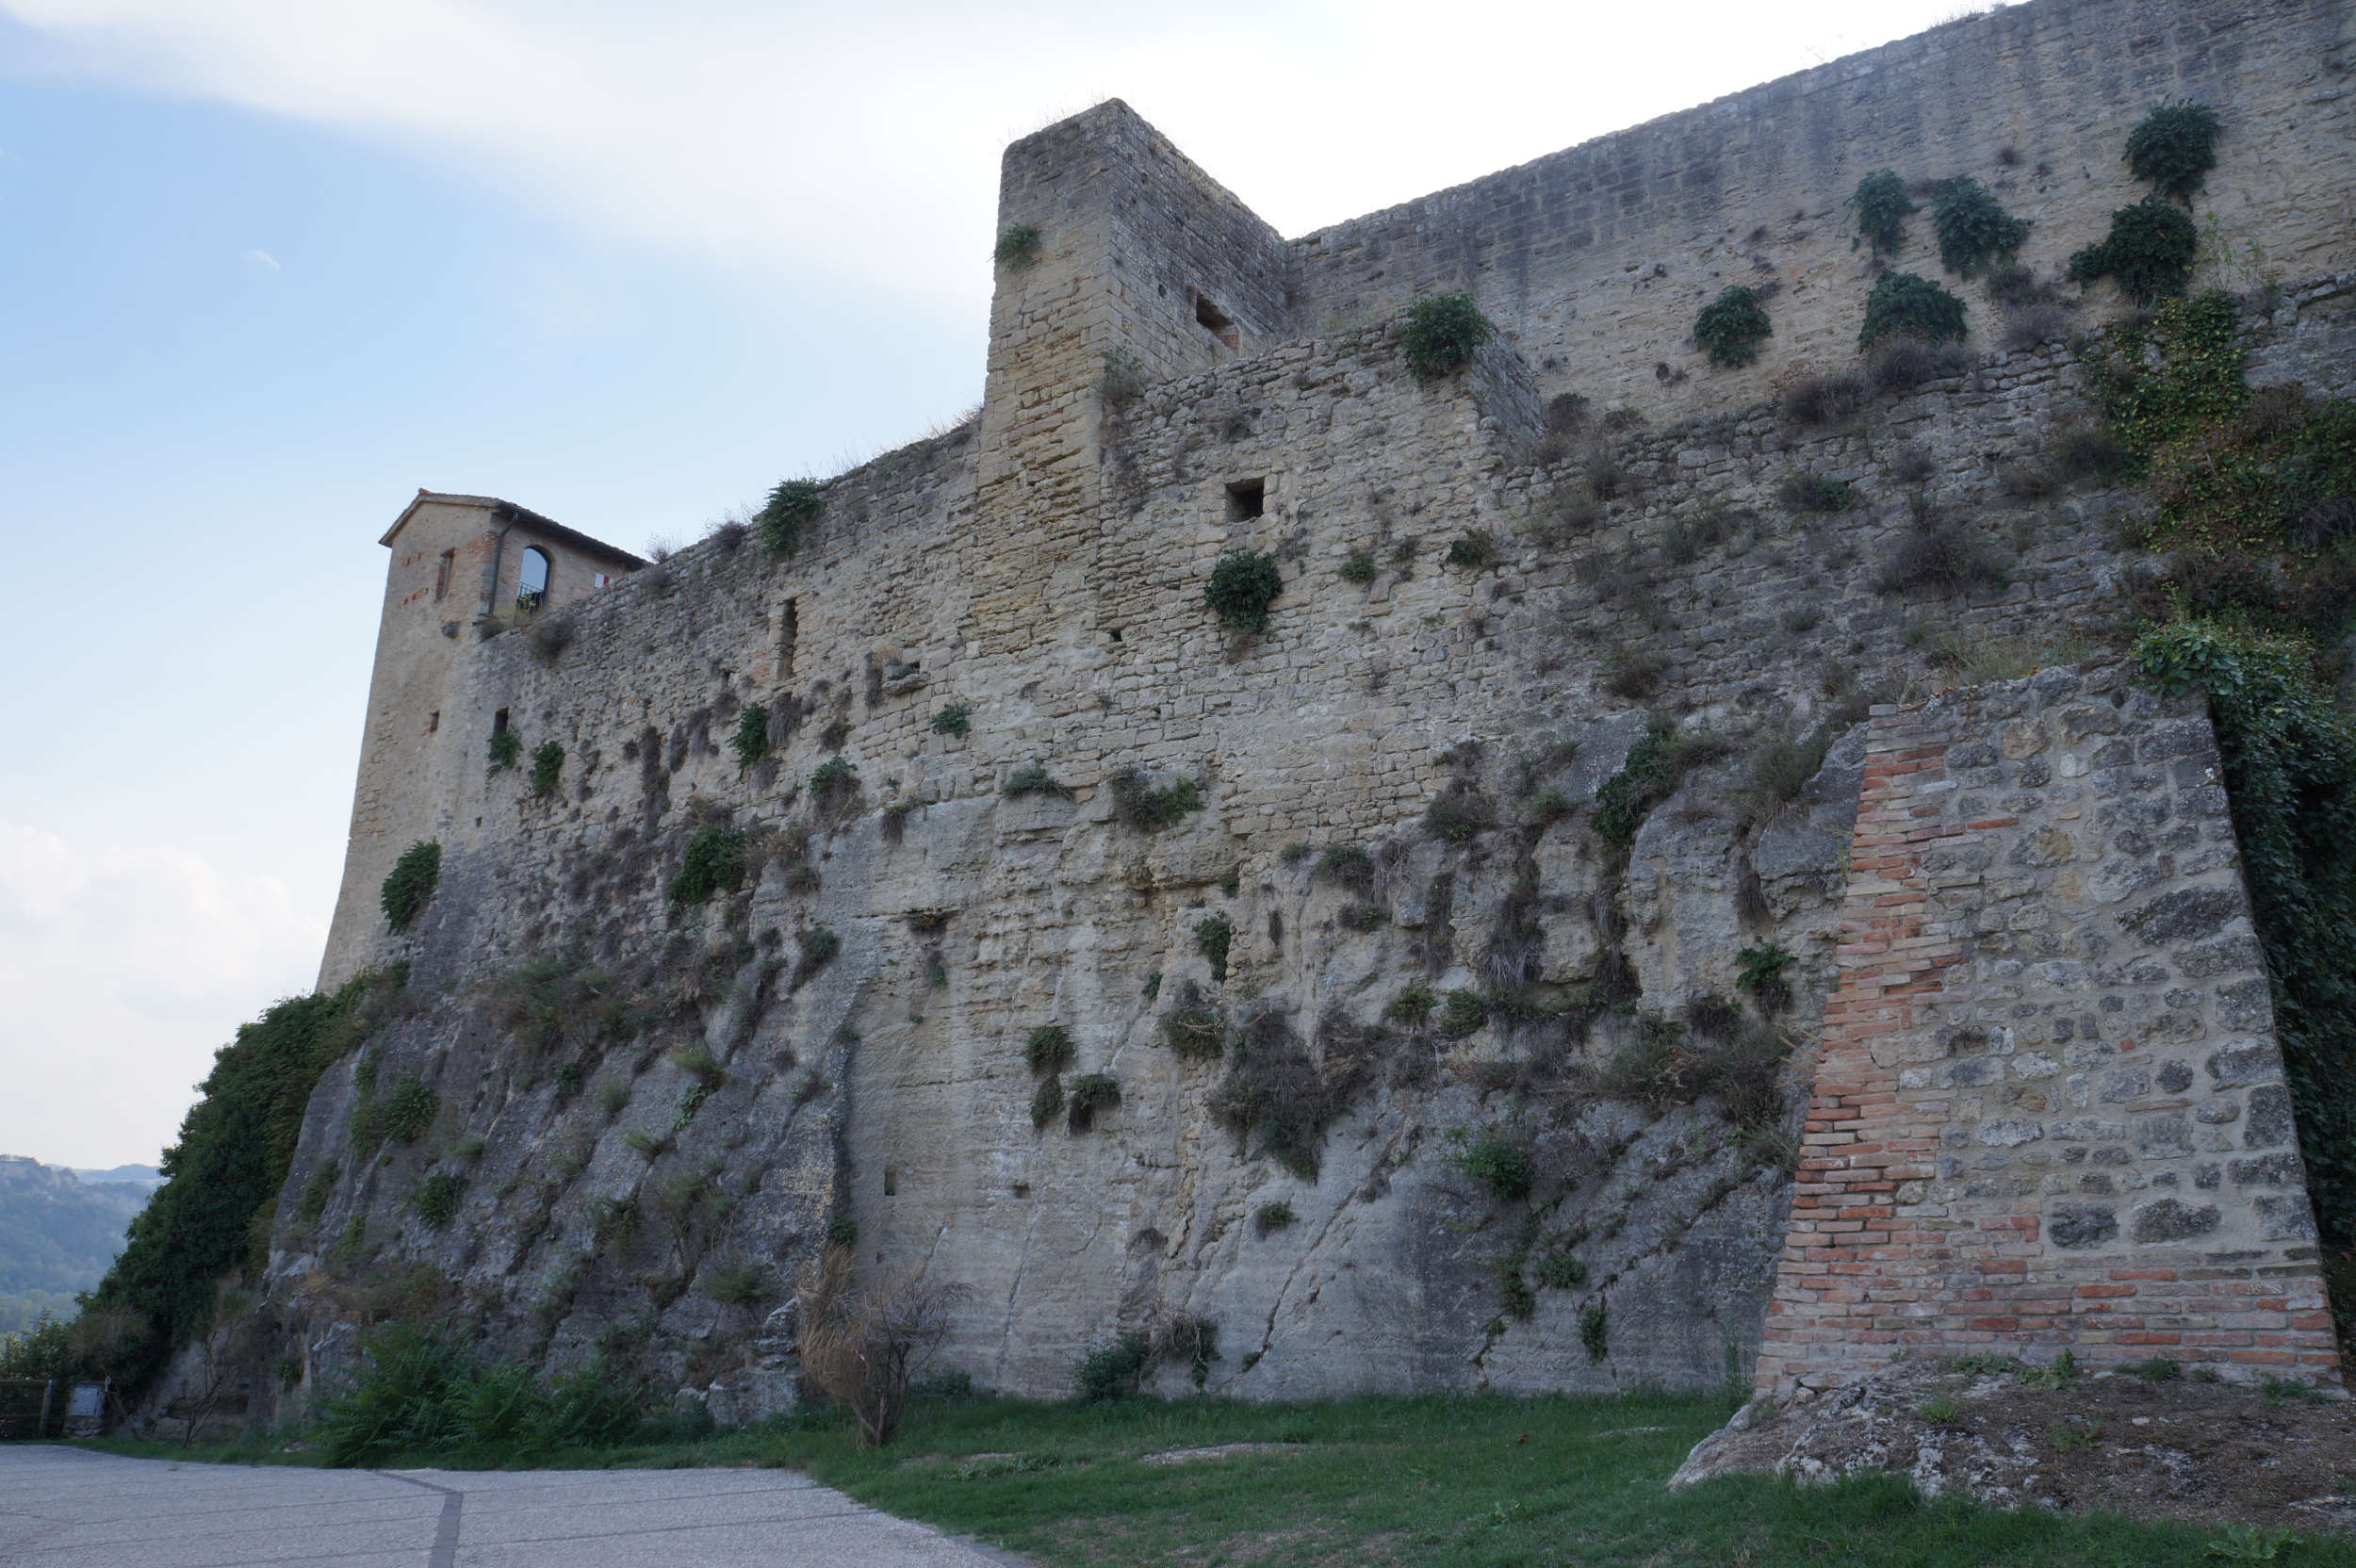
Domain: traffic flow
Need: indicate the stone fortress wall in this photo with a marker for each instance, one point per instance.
(1170, 381)
(1597, 257)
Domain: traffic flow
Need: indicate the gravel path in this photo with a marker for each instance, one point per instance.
(69, 1508)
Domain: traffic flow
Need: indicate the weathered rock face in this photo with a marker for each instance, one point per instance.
(1439, 965)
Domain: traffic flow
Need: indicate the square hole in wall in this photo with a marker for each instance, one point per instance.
(1246, 498)
(1217, 322)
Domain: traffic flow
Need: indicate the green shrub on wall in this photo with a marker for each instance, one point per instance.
(1243, 584)
(547, 764)
(751, 740)
(409, 887)
(1018, 247)
(1033, 778)
(2174, 149)
(1495, 1162)
(714, 863)
(834, 784)
(1732, 326)
(1904, 305)
(1139, 806)
(1091, 1093)
(505, 747)
(1974, 228)
(1471, 551)
(791, 507)
(1048, 1049)
(2150, 253)
(436, 1199)
(1882, 207)
(409, 1110)
(1212, 937)
(1442, 333)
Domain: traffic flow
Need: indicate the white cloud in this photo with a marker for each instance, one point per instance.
(264, 260)
(861, 142)
(124, 970)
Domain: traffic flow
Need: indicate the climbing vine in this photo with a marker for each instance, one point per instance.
(2290, 775)
(2257, 506)
(2178, 373)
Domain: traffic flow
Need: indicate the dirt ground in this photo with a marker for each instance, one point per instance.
(2174, 1449)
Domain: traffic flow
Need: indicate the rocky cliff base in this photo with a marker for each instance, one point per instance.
(2145, 1446)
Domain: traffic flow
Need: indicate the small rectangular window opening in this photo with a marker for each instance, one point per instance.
(442, 574)
(789, 635)
(1217, 322)
(499, 722)
(892, 1182)
(434, 721)
(1246, 498)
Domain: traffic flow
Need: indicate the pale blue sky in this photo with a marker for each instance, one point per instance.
(267, 266)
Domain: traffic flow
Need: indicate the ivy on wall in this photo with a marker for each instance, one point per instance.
(2290, 775)
(2256, 493)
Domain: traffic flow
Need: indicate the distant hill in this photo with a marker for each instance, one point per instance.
(134, 1175)
(58, 1231)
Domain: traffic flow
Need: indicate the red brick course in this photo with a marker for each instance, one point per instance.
(1884, 1254)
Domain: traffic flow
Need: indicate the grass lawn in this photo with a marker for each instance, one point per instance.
(1438, 1480)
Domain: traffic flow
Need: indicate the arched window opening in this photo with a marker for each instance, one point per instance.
(531, 581)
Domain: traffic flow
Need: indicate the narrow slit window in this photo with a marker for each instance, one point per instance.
(1246, 498)
(1216, 322)
(789, 637)
(892, 1182)
(442, 574)
(499, 722)
(531, 581)
(434, 721)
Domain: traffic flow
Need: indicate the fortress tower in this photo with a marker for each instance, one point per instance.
(462, 568)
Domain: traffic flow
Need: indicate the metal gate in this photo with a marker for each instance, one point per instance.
(32, 1408)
